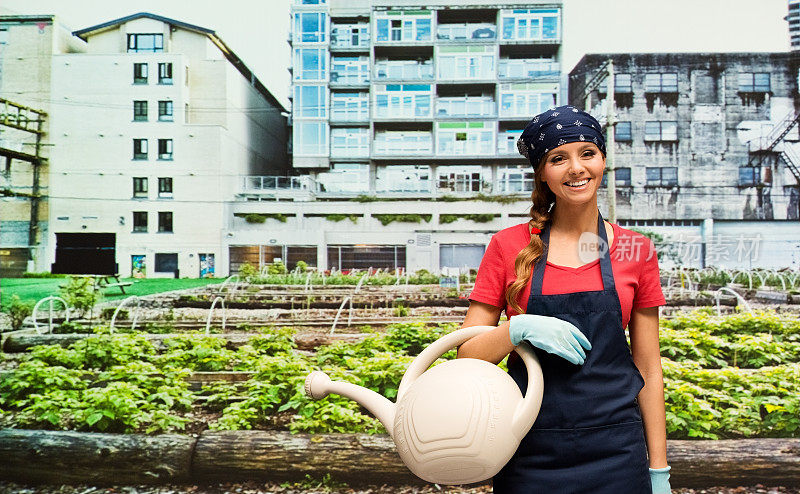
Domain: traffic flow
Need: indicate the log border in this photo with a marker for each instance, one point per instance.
(63, 457)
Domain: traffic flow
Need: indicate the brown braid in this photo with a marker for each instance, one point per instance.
(542, 197)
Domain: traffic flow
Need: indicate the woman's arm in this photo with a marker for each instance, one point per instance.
(643, 328)
(492, 346)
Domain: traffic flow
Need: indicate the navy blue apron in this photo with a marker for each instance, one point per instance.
(588, 437)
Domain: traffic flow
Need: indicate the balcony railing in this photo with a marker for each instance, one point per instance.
(527, 68)
(404, 70)
(464, 32)
(465, 107)
(390, 145)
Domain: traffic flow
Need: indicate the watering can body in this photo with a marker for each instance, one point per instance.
(458, 422)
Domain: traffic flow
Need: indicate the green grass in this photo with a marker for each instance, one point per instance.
(34, 289)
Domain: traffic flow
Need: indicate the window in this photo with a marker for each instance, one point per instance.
(140, 149)
(622, 84)
(345, 177)
(350, 107)
(403, 178)
(140, 221)
(622, 178)
(345, 257)
(526, 99)
(408, 69)
(662, 177)
(165, 73)
(622, 132)
(402, 100)
(464, 138)
(165, 221)
(749, 176)
(350, 36)
(165, 111)
(661, 83)
(166, 263)
(309, 27)
(465, 106)
(515, 178)
(165, 149)
(310, 64)
(453, 178)
(140, 111)
(140, 187)
(350, 70)
(145, 43)
(165, 187)
(528, 68)
(750, 82)
(530, 24)
(140, 73)
(310, 101)
(310, 138)
(409, 25)
(466, 62)
(661, 131)
(403, 142)
(351, 143)
(507, 141)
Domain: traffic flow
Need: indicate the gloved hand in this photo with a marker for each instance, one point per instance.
(659, 480)
(551, 334)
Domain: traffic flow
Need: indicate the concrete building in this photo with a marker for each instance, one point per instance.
(706, 150)
(415, 106)
(27, 45)
(154, 123)
(794, 24)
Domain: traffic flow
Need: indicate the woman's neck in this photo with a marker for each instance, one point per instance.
(574, 219)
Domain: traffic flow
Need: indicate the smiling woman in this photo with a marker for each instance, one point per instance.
(570, 292)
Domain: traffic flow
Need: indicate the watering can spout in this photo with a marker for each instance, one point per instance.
(318, 385)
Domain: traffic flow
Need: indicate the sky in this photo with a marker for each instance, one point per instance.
(257, 30)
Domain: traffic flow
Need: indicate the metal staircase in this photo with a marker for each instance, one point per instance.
(776, 135)
(790, 159)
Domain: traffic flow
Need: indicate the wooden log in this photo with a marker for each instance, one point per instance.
(82, 457)
(734, 462)
(358, 459)
(363, 459)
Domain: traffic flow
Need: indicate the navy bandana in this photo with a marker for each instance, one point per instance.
(555, 127)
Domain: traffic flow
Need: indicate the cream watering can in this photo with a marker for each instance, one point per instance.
(459, 422)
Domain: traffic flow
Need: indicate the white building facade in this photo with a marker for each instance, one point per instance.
(156, 122)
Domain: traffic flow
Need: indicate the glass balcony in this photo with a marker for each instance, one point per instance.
(507, 142)
(528, 68)
(464, 32)
(349, 36)
(403, 143)
(465, 107)
(404, 69)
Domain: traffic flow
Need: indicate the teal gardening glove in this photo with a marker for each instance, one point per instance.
(550, 334)
(659, 480)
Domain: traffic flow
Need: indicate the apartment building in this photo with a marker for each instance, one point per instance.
(152, 125)
(706, 150)
(416, 107)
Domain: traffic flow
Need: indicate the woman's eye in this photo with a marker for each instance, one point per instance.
(589, 153)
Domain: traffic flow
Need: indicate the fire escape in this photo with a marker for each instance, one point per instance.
(768, 143)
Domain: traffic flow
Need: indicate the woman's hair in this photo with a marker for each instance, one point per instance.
(542, 198)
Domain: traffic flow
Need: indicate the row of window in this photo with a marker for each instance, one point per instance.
(415, 101)
(140, 73)
(475, 138)
(140, 189)
(140, 149)
(141, 111)
(140, 222)
(415, 25)
(748, 82)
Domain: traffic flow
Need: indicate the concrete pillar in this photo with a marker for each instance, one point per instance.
(707, 233)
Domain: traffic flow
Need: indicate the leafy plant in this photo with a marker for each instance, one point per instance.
(385, 219)
(81, 293)
(18, 311)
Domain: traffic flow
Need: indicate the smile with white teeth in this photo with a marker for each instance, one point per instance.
(579, 183)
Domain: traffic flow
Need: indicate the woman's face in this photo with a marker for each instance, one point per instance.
(574, 171)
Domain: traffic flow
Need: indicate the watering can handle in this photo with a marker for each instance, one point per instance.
(529, 408)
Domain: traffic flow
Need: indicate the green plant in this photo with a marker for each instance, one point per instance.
(365, 198)
(301, 266)
(277, 268)
(385, 219)
(81, 293)
(326, 484)
(255, 218)
(339, 217)
(18, 311)
(247, 271)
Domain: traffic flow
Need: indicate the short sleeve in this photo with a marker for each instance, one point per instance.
(490, 280)
(648, 292)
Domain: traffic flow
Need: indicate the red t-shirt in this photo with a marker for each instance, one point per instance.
(633, 261)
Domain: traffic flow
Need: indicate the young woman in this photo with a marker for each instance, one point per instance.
(570, 283)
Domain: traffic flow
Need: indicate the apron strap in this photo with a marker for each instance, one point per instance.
(605, 258)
